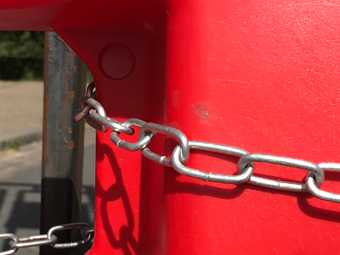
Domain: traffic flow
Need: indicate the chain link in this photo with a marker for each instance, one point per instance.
(50, 239)
(177, 160)
(179, 166)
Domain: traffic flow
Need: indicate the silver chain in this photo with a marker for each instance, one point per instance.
(50, 239)
(95, 115)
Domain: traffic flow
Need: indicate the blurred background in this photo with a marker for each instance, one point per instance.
(21, 55)
(21, 122)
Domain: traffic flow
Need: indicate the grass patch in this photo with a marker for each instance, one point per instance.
(16, 143)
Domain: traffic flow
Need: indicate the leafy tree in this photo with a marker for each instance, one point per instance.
(21, 55)
(21, 44)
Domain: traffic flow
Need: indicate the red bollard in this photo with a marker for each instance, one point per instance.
(261, 75)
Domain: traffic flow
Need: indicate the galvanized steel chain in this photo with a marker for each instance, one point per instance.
(50, 239)
(95, 115)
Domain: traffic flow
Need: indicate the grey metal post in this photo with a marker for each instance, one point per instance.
(63, 139)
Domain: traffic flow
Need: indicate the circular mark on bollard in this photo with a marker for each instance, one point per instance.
(117, 61)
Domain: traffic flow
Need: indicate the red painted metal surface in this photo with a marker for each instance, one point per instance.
(258, 74)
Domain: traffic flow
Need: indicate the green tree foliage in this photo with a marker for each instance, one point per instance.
(21, 44)
(21, 55)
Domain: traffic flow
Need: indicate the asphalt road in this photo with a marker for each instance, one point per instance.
(20, 173)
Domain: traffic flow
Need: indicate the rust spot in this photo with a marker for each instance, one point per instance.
(69, 144)
(70, 94)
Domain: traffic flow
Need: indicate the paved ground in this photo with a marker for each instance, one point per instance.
(21, 107)
(20, 170)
